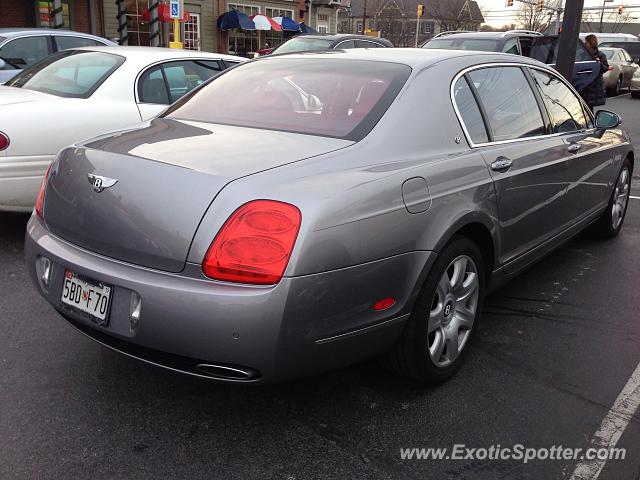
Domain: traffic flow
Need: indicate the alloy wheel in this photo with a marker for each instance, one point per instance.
(453, 311)
(620, 198)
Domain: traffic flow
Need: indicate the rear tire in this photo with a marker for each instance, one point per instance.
(635, 94)
(610, 223)
(615, 91)
(436, 339)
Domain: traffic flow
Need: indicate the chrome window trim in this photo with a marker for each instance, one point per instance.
(550, 71)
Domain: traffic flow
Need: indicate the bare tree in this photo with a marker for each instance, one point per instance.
(530, 18)
(610, 20)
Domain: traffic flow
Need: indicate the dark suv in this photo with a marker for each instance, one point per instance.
(520, 42)
(306, 43)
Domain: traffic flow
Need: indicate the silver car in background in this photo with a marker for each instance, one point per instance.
(253, 233)
(622, 69)
(22, 47)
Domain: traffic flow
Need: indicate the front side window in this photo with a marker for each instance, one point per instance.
(509, 103)
(469, 111)
(24, 52)
(564, 107)
(166, 83)
(328, 97)
(71, 73)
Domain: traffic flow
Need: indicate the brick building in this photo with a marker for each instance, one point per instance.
(81, 15)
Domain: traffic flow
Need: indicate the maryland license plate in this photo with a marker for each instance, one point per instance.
(89, 297)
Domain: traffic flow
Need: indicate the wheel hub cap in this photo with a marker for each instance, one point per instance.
(620, 198)
(453, 311)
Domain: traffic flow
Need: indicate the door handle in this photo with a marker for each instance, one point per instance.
(584, 72)
(574, 147)
(501, 164)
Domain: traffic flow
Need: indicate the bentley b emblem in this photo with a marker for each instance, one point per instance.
(100, 183)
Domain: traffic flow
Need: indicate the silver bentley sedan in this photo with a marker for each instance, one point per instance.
(304, 212)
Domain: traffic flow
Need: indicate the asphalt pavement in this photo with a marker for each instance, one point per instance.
(554, 350)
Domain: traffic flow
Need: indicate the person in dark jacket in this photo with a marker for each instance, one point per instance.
(594, 94)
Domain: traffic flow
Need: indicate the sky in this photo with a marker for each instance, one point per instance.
(499, 14)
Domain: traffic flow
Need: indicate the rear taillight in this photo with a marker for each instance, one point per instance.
(610, 68)
(4, 141)
(40, 199)
(255, 243)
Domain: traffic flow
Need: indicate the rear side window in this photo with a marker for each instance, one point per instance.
(509, 103)
(66, 41)
(469, 111)
(24, 52)
(346, 44)
(367, 44)
(328, 97)
(166, 83)
(564, 107)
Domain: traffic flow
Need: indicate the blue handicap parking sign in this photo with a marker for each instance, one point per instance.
(174, 9)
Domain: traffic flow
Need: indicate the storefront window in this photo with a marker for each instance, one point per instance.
(46, 17)
(137, 28)
(242, 42)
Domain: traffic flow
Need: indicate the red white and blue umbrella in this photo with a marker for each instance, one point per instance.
(265, 23)
(287, 24)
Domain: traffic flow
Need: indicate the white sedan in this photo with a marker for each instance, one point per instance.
(81, 93)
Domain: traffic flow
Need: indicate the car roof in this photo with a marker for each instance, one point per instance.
(16, 32)
(139, 53)
(341, 36)
(414, 57)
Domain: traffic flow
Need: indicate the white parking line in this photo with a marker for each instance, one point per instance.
(611, 428)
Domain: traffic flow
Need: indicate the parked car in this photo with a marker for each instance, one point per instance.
(306, 43)
(621, 70)
(632, 48)
(521, 42)
(22, 47)
(80, 93)
(244, 238)
(634, 87)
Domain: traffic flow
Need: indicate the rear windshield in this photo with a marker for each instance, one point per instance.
(72, 73)
(325, 97)
(608, 52)
(477, 44)
(301, 44)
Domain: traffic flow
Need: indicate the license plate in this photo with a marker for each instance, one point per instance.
(89, 297)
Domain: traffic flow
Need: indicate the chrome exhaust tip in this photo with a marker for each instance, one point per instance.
(228, 372)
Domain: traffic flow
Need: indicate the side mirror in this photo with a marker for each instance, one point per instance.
(2, 64)
(606, 120)
(637, 60)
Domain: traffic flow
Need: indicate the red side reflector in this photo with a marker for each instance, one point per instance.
(384, 303)
(40, 199)
(255, 243)
(4, 141)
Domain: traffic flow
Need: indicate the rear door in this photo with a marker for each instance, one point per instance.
(526, 164)
(629, 67)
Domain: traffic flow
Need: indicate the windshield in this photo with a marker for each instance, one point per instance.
(477, 44)
(72, 73)
(332, 98)
(302, 44)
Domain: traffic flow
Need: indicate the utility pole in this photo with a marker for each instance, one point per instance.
(568, 41)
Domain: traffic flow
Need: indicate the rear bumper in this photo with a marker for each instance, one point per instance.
(20, 179)
(301, 326)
